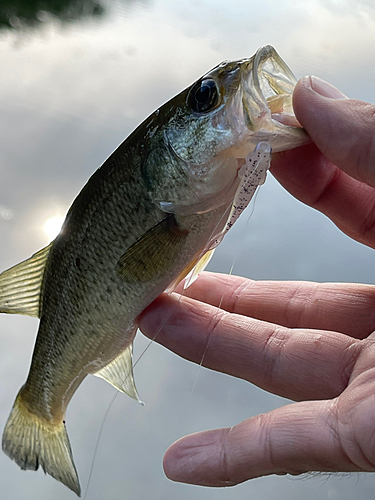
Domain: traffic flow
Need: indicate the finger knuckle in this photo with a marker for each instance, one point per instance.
(362, 150)
(273, 350)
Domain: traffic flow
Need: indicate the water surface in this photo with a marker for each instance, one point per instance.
(76, 78)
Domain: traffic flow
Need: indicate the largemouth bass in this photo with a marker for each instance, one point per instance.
(148, 217)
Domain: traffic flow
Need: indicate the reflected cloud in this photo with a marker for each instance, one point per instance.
(6, 213)
(348, 7)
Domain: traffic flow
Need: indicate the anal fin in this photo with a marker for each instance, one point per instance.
(20, 285)
(119, 373)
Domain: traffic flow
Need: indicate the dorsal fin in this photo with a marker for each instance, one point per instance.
(20, 285)
(119, 373)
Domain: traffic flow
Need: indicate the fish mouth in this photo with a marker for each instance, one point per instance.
(267, 86)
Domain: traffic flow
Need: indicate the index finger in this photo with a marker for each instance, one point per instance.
(347, 308)
(295, 363)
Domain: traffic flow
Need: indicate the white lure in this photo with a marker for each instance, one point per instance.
(252, 174)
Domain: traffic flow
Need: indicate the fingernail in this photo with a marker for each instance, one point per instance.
(324, 88)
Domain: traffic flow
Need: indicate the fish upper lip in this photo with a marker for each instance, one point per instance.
(267, 84)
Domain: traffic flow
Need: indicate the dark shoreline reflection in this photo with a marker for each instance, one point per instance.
(18, 14)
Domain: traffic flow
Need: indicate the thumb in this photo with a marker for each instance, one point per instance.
(343, 129)
(294, 439)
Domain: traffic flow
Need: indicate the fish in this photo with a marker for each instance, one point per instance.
(148, 218)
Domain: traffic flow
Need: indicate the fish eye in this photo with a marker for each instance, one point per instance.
(204, 96)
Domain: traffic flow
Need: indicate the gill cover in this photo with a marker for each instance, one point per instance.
(226, 113)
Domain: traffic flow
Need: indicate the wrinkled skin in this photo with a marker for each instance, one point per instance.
(310, 342)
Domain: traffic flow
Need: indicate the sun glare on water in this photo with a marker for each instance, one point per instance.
(52, 226)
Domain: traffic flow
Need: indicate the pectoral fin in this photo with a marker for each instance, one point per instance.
(20, 285)
(119, 373)
(153, 254)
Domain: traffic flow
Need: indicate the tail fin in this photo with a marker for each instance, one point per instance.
(31, 441)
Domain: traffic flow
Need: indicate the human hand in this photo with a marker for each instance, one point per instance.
(336, 173)
(308, 342)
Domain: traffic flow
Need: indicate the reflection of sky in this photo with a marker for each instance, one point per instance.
(68, 96)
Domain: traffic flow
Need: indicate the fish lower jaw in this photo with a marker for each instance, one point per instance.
(281, 134)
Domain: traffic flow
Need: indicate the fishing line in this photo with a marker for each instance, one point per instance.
(161, 326)
(97, 442)
(218, 308)
(180, 294)
(110, 404)
(253, 201)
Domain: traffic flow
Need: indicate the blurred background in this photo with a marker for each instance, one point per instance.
(76, 77)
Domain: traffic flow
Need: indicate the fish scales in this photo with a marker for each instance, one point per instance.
(87, 307)
(149, 217)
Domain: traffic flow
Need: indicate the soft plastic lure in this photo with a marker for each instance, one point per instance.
(252, 174)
